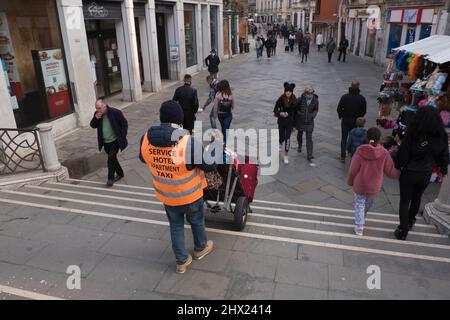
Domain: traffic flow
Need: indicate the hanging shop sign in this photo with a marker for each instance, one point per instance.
(97, 11)
(174, 50)
(102, 10)
(7, 54)
(49, 65)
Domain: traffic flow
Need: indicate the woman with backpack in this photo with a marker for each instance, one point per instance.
(224, 105)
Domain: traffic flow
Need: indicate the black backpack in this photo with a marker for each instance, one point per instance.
(225, 105)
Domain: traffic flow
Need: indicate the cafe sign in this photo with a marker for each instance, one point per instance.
(97, 11)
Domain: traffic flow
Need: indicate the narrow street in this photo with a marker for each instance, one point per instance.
(298, 242)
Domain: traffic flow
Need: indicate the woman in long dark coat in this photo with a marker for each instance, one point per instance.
(306, 111)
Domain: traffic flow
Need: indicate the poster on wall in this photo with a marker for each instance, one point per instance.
(8, 56)
(49, 65)
(174, 50)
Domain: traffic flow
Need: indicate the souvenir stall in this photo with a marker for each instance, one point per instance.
(417, 76)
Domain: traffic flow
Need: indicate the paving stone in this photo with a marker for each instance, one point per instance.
(128, 273)
(135, 247)
(338, 193)
(21, 227)
(29, 278)
(19, 251)
(322, 255)
(198, 284)
(255, 265)
(310, 185)
(243, 287)
(272, 248)
(302, 273)
(216, 261)
(137, 229)
(73, 237)
(58, 258)
(294, 292)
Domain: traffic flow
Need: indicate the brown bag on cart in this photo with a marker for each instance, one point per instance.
(214, 180)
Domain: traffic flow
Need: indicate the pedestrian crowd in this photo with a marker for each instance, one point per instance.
(179, 184)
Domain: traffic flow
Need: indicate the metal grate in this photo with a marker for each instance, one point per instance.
(20, 151)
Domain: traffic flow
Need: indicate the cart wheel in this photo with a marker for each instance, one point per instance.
(240, 213)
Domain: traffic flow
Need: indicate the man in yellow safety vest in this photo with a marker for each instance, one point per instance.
(168, 150)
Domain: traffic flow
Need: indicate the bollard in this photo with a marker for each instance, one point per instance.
(48, 147)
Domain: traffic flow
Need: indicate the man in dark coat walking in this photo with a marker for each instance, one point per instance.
(212, 61)
(351, 106)
(112, 129)
(343, 45)
(186, 96)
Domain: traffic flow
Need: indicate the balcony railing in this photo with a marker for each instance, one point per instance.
(20, 151)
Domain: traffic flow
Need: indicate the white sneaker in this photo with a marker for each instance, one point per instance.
(359, 230)
(200, 110)
(286, 160)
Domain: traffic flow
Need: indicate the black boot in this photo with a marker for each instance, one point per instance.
(400, 234)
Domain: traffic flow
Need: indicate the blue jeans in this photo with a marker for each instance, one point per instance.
(225, 123)
(195, 215)
(212, 117)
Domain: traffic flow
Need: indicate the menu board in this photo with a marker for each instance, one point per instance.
(50, 66)
(7, 54)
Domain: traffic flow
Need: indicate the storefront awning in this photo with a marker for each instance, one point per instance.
(434, 48)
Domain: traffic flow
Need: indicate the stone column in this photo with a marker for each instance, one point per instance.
(198, 35)
(220, 32)
(73, 33)
(442, 203)
(206, 27)
(134, 92)
(148, 28)
(180, 38)
(48, 147)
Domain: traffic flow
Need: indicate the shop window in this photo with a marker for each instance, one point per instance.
(31, 49)
(410, 34)
(395, 35)
(189, 33)
(425, 31)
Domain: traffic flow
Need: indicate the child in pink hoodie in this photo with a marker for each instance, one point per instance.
(369, 164)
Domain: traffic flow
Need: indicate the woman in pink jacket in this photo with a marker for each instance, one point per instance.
(369, 164)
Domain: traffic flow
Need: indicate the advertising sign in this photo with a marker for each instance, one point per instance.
(50, 65)
(8, 56)
(174, 50)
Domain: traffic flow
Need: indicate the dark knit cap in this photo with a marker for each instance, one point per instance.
(171, 112)
(289, 86)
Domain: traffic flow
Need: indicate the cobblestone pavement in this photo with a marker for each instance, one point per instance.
(298, 242)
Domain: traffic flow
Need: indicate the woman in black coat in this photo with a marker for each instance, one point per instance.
(425, 145)
(285, 112)
(306, 111)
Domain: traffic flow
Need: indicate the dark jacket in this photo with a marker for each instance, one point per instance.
(423, 153)
(351, 106)
(161, 136)
(283, 105)
(304, 118)
(356, 137)
(212, 63)
(343, 45)
(304, 46)
(186, 96)
(118, 123)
